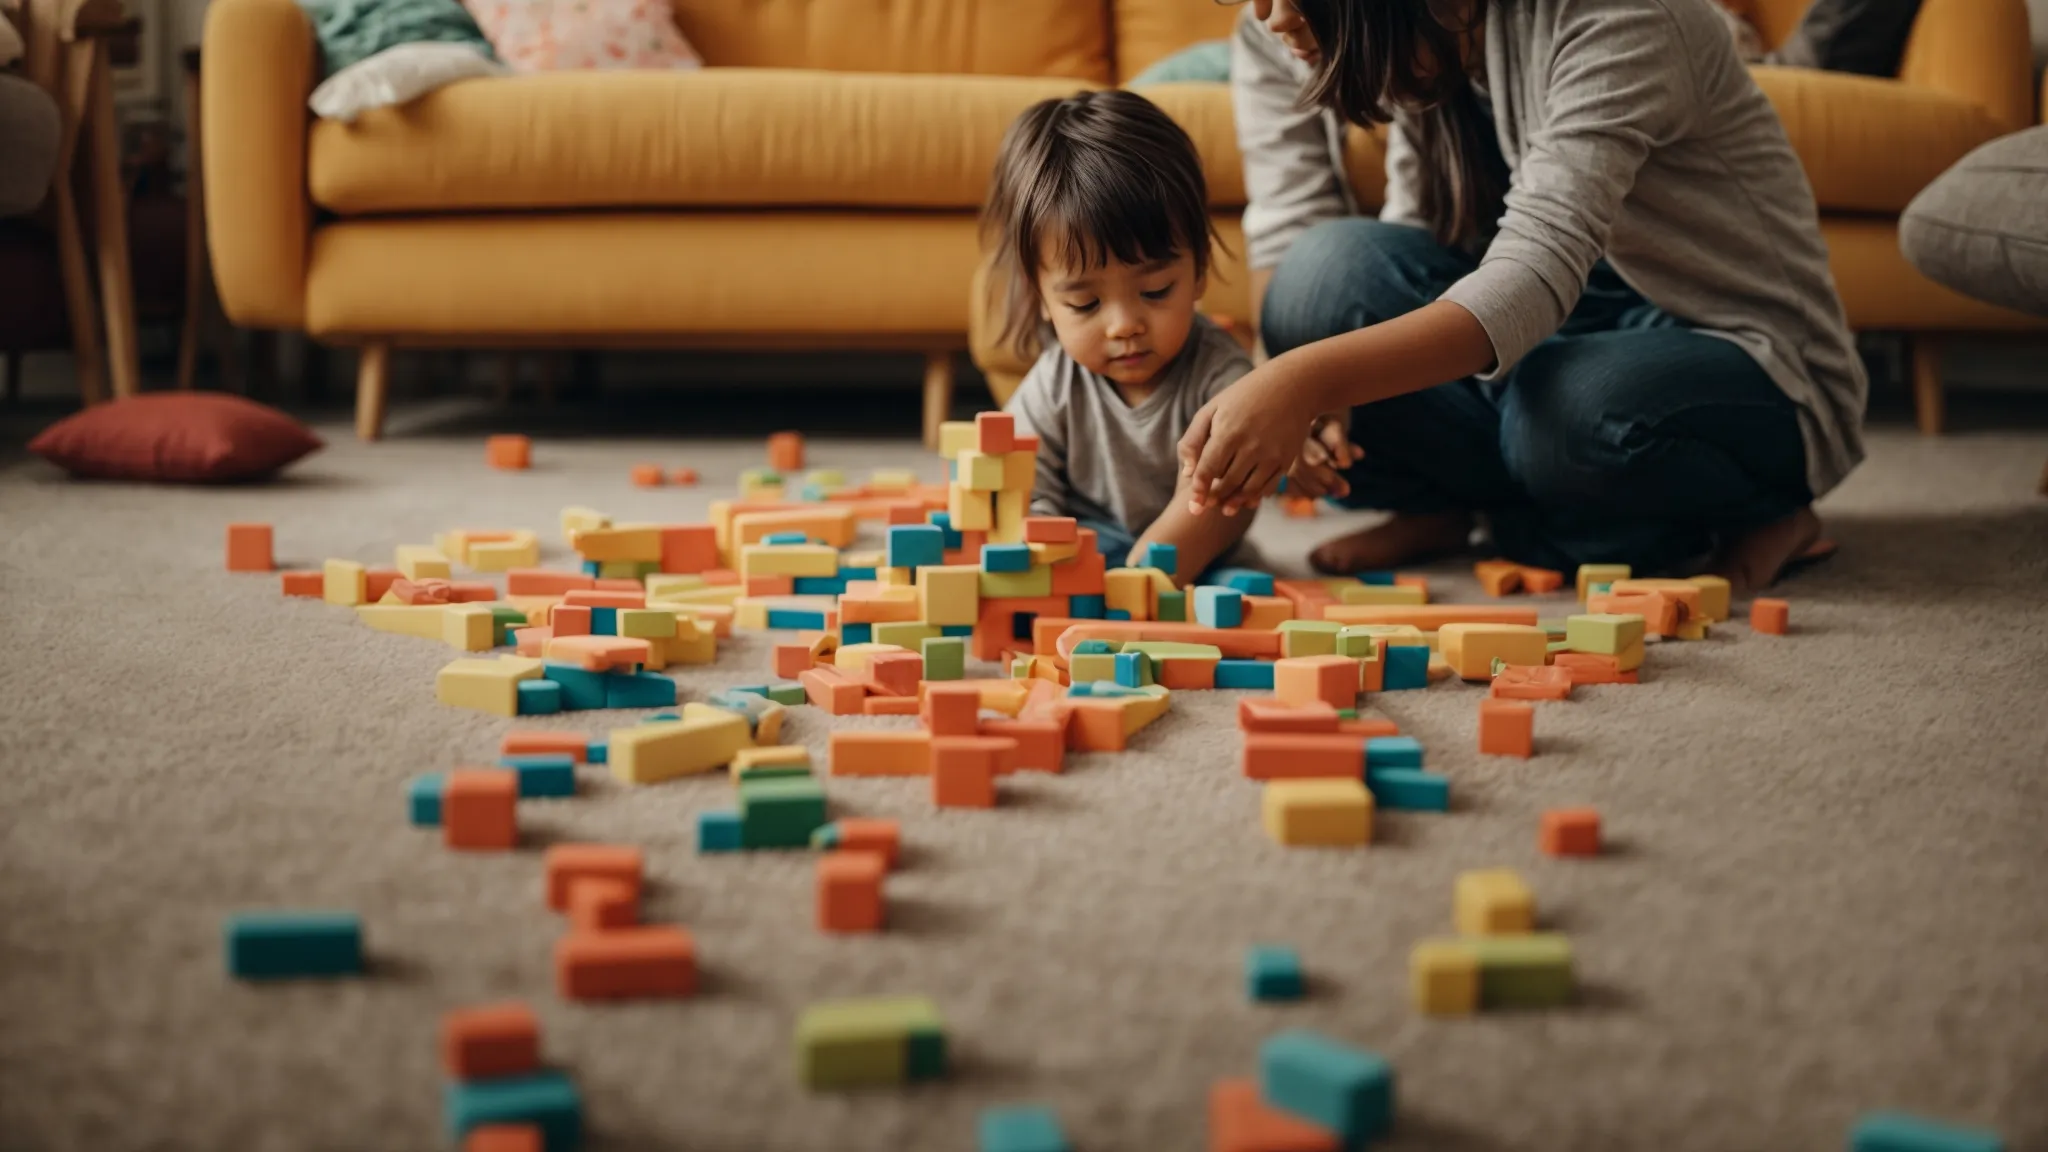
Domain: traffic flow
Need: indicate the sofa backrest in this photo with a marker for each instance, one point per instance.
(1067, 38)
(1148, 31)
(1774, 19)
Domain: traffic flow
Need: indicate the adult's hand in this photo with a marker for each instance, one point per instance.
(1242, 443)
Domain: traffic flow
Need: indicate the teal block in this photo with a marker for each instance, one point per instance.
(1253, 674)
(1103, 689)
(1133, 669)
(799, 619)
(1094, 648)
(275, 945)
(1165, 557)
(1392, 752)
(856, 633)
(543, 774)
(1219, 607)
(1407, 667)
(1408, 789)
(1088, 606)
(539, 697)
(423, 799)
(1245, 580)
(1347, 1090)
(925, 1052)
(1273, 972)
(547, 1099)
(917, 545)
(580, 689)
(719, 832)
(945, 657)
(1898, 1132)
(598, 751)
(1005, 558)
(1020, 1128)
(639, 690)
(604, 621)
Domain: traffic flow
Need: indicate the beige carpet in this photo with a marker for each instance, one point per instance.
(1828, 892)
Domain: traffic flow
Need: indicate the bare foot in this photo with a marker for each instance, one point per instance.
(1754, 562)
(1405, 538)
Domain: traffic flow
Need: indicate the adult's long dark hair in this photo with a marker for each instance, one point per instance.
(1379, 55)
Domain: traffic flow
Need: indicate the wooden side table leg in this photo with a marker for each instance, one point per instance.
(1929, 406)
(110, 235)
(196, 278)
(373, 385)
(938, 394)
(83, 314)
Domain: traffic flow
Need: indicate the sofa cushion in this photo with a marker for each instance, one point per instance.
(1066, 38)
(719, 137)
(560, 35)
(1982, 228)
(1871, 145)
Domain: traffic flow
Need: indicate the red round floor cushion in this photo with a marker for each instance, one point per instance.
(191, 437)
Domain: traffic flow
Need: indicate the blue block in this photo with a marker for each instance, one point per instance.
(546, 1099)
(1102, 689)
(661, 717)
(604, 621)
(1094, 648)
(1393, 752)
(1005, 558)
(1116, 614)
(548, 774)
(1130, 669)
(1408, 789)
(1347, 1090)
(943, 521)
(856, 633)
(539, 697)
(423, 799)
(598, 752)
(1244, 580)
(1378, 579)
(747, 704)
(1020, 1128)
(810, 494)
(750, 689)
(1898, 1132)
(916, 545)
(718, 831)
(1165, 557)
(802, 619)
(1219, 607)
(1407, 667)
(1255, 674)
(580, 689)
(1088, 607)
(785, 538)
(639, 690)
(267, 945)
(818, 585)
(1020, 625)
(1273, 972)
(856, 573)
(956, 629)
(592, 567)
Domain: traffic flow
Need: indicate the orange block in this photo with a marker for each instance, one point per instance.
(545, 742)
(832, 690)
(510, 452)
(648, 476)
(1507, 728)
(717, 577)
(570, 619)
(1571, 832)
(889, 706)
(652, 960)
(1041, 744)
(1087, 574)
(503, 1138)
(1298, 507)
(1661, 614)
(1770, 616)
(1240, 1122)
(249, 548)
(850, 891)
(786, 451)
(470, 591)
(1192, 674)
(791, 660)
(1300, 680)
(1372, 674)
(895, 673)
(1430, 617)
(995, 433)
(903, 512)
(951, 709)
(599, 653)
(566, 864)
(865, 753)
(1303, 756)
(312, 584)
(1541, 580)
(601, 597)
(689, 548)
(1592, 668)
(1265, 714)
(1307, 596)
(1263, 614)
(964, 770)
(1050, 529)
(770, 585)
(1518, 682)
(1095, 725)
(1498, 577)
(1369, 726)
(378, 581)
(419, 591)
(883, 838)
(600, 905)
(1684, 591)
(532, 643)
(479, 809)
(683, 476)
(489, 1041)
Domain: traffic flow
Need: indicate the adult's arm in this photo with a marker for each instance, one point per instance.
(1290, 178)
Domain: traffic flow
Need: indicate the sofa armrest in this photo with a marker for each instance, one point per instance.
(257, 69)
(1978, 50)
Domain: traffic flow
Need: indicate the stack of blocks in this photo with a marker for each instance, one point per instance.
(498, 1096)
(1498, 959)
(607, 953)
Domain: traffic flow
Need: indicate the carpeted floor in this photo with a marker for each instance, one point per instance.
(1828, 890)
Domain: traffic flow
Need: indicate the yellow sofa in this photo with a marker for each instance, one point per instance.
(818, 186)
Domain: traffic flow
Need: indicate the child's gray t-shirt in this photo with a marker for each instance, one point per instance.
(1101, 459)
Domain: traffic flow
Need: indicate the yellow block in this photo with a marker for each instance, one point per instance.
(978, 472)
(422, 620)
(1045, 555)
(896, 577)
(640, 542)
(864, 559)
(575, 519)
(468, 627)
(1011, 507)
(1471, 649)
(1693, 629)
(1020, 471)
(854, 657)
(1318, 812)
(661, 585)
(1444, 975)
(1493, 902)
(1356, 593)
(770, 756)
(694, 643)
(710, 594)
(751, 613)
(768, 728)
(422, 562)
(1630, 658)
(344, 582)
(1714, 597)
(970, 511)
(657, 654)
(1591, 574)
(1140, 711)
(647, 623)
(649, 753)
(788, 560)
(892, 480)
(1130, 589)
(1004, 696)
(505, 555)
(485, 685)
(949, 594)
(1398, 635)
(957, 436)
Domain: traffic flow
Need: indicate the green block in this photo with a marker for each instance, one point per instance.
(1017, 585)
(787, 695)
(945, 657)
(1347, 713)
(1526, 971)
(1174, 650)
(1558, 646)
(876, 1041)
(1607, 634)
(1020, 668)
(1553, 627)
(619, 569)
(1309, 637)
(1173, 607)
(780, 811)
(1357, 645)
(1089, 667)
(826, 477)
(647, 623)
(760, 476)
(765, 771)
(908, 634)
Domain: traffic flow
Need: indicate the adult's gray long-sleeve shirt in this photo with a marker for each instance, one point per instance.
(1632, 132)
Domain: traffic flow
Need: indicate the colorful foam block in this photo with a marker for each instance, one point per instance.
(719, 831)
(279, 945)
(1020, 1128)
(1493, 902)
(1570, 832)
(876, 1041)
(1899, 1132)
(1240, 1122)
(645, 961)
(1273, 972)
(1408, 789)
(543, 775)
(1348, 1090)
(702, 741)
(1318, 812)
(423, 799)
(490, 1041)
(1507, 728)
(547, 1099)
(1443, 977)
(1392, 752)
(1333, 680)
(780, 811)
(849, 895)
(1256, 675)
(1768, 616)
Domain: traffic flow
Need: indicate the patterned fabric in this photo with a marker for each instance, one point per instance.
(351, 31)
(556, 35)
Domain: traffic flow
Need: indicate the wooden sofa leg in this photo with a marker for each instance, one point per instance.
(1928, 405)
(938, 394)
(373, 383)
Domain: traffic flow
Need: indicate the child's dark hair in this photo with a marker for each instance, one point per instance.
(1100, 174)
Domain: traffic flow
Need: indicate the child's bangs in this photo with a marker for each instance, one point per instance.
(1091, 222)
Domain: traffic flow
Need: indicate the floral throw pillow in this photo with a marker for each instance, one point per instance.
(560, 35)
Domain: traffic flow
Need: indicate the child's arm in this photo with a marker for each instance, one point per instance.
(1199, 541)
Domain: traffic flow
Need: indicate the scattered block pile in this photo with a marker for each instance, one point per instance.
(499, 1097)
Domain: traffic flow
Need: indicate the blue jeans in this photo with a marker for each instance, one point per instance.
(1626, 438)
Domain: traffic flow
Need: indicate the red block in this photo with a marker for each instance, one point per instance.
(689, 548)
(1507, 728)
(597, 905)
(1303, 756)
(881, 837)
(490, 1041)
(570, 619)
(771, 585)
(832, 690)
(1084, 575)
(479, 809)
(895, 673)
(995, 433)
(565, 864)
(951, 709)
(378, 581)
(312, 584)
(544, 582)
(850, 891)
(503, 1138)
(1241, 1122)
(649, 961)
(1051, 529)
(1518, 682)
(791, 660)
(249, 548)
(964, 770)
(471, 592)
(605, 598)
(1041, 743)
(1571, 832)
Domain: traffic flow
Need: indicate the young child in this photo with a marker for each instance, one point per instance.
(1099, 225)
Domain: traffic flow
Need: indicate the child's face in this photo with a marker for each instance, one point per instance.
(1123, 321)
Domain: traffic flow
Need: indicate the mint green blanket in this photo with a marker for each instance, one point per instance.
(352, 30)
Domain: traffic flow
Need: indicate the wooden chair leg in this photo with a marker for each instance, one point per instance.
(83, 314)
(198, 302)
(1929, 407)
(373, 384)
(938, 394)
(110, 236)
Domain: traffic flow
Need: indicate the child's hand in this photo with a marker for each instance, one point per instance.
(1241, 444)
(1319, 470)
